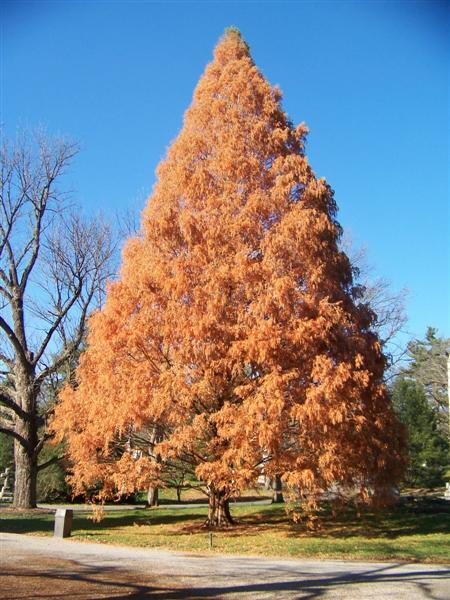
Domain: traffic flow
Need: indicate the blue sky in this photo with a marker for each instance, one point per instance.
(370, 79)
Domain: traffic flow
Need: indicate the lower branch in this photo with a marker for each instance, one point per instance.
(47, 436)
(49, 462)
(22, 441)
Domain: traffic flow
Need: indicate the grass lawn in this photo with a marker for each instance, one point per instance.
(416, 530)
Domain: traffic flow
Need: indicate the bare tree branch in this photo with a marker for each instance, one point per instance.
(22, 441)
(15, 342)
(7, 401)
(41, 443)
(5, 359)
(50, 462)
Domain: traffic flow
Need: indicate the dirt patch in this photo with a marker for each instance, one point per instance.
(28, 576)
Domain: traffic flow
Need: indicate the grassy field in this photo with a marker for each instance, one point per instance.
(415, 531)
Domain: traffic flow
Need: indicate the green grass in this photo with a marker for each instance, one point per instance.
(415, 530)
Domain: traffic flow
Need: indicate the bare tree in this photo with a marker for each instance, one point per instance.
(128, 220)
(53, 267)
(387, 304)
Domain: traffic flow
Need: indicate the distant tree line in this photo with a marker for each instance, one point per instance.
(420, 397)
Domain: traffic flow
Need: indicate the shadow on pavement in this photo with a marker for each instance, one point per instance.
(70, 579)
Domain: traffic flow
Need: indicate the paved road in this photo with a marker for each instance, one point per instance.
(113, 507)
(88, 507)
(33, 567)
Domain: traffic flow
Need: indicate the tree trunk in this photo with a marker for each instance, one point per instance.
(152, 496)
(218, 510)
(277, 493)
(26, 454)
(153, 492)
(25, 481)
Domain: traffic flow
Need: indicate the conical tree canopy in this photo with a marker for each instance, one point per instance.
(234, 330)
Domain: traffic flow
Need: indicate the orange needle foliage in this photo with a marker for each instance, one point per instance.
(234, 327)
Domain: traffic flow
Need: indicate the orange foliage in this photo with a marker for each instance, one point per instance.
(234, 326)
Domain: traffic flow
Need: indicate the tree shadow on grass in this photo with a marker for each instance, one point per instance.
(408, 518)
(44, 522)
(27, 523)
(188, 521)
(141, 517)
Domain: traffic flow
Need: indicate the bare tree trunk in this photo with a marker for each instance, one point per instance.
(25, 478)
(218, 510)
(153, 492)
(26, 444)
(152, 496)
(277, 493)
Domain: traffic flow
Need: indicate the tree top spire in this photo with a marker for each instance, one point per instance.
(232, 45)
(232, 30)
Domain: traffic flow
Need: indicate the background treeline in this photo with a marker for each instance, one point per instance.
(420, 397)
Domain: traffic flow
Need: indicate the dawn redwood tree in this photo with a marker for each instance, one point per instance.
(234, 326)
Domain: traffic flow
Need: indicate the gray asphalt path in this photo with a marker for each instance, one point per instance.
(113, 507)
(181, 575)
(88, 507)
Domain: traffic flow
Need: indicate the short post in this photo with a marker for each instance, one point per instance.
(210, 539)
(63, 522)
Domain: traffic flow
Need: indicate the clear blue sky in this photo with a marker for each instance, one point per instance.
(369, 78)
